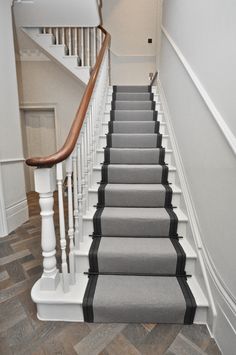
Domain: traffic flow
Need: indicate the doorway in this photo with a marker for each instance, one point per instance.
(39, 138)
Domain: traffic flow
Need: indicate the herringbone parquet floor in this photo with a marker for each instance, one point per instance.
(22, 333)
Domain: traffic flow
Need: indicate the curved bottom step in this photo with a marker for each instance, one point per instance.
(138, 299)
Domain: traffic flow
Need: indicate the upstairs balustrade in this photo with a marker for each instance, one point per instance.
(84, 42)
(73, 163)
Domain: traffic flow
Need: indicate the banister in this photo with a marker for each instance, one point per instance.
(77, 124)
(154, 78)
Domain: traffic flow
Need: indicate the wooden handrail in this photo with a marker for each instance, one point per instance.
(154, 78)
(73, 135)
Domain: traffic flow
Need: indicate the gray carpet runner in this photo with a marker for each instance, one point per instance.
(137, 265)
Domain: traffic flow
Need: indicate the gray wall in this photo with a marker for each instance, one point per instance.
(204, 33)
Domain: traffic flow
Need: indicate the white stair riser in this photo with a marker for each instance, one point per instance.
(57, 51)
(96, 177)
(60, 312)
(71, 60)
(88, 227)
(93, 198)
(162, 130)
(44, 40)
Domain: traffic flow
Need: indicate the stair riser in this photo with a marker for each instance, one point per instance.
(107, 116)
(43, 40)
(103, 142)
(88, 227)
(100, 157)
(96, 177)
(93, 198)
(57, 51)
(82, 263)
(105, 129)
(108, 107)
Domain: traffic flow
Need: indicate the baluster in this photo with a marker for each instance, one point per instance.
(82, 151)
(94, 45)
(64, 266)
(57, 35)
(69, 170)
(91, 145)
(79, 164)
(86, 164)
(88, 47)
(44, 30)
(45, 184)
(76, 41)
(100, 37)
(82, 45)
(50, 30)
(69, 41)
(63, 36)
(75, 198)
(88, 149)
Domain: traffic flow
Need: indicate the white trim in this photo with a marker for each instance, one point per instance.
(12, 160)
(3, 217)
(231, 139)
(17, 214)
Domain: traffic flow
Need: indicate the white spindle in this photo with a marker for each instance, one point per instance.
(79, 187)
(64, 266)
(45, 184)
(57, 35)
(44, 30)
(82, 46)
(63, 41)
(88, 47)
(75, 41)
(94, 45)
(69, 41)
(86, 164)
(100, 37)
(50, 30)
(82, 160)
(69, 170)
(75, 197)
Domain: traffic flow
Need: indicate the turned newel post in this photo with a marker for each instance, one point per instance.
(45, 185)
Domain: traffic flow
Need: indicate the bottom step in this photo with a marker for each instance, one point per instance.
(138, 299)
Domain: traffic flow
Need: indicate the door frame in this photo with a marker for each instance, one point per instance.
(37, 107)
(52, 107)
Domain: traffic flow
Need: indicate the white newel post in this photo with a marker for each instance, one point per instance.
(45, 185)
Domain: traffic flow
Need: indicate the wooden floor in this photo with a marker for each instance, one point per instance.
(22, 333)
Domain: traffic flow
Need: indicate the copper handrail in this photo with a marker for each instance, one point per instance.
(77, 124)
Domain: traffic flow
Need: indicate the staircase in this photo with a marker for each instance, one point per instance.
(74, 48)
(127, 252)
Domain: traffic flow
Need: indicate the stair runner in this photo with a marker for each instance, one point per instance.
(137, 265)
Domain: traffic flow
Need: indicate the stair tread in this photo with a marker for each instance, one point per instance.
(139, 299)
(180, 214)
(99, 167)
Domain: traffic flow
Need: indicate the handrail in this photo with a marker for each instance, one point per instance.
(77, 124)
(154, 78)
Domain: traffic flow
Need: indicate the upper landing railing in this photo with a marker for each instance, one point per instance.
(73, 163)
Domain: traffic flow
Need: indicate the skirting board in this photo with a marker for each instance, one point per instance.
(17, 215)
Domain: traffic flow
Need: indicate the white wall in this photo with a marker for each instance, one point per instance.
(199, 42)
(13, 204)
(43, 13)
(46, 84)
(131, 23)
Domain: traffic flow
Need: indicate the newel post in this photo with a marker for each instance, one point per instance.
(45, 185)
